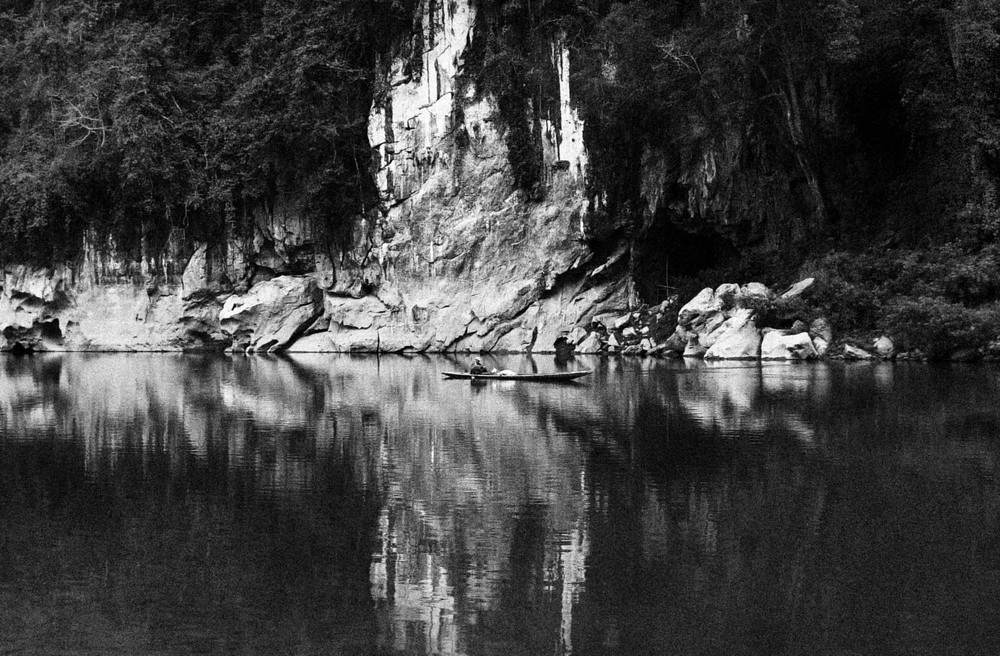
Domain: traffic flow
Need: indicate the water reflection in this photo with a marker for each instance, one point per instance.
(363, 505)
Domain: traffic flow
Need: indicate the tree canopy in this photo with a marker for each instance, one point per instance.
(137, 118)
(844, 120)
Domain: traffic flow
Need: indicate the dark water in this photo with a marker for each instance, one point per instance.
(341, 505)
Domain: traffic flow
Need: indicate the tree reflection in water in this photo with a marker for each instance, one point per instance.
(363, 505)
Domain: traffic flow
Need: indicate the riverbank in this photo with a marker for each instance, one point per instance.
(837, 313)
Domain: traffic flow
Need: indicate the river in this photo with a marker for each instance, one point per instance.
(336, 504)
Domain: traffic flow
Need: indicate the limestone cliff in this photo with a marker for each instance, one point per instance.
(455, 259)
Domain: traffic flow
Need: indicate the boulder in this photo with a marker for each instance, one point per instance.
(635, 349)
(613, 341)
(755, 290)
(704, 303)
(798, 289)
(272, 313)
(800, 346)
(713, 328)
(855, 353)
(629, 332)
(884, 347)
(592, 344)
(647, 345)
(740, 338)
(772, 344)
(621, 321)
(821, 328)
(821, 346)
(782, 345)
(729, 294)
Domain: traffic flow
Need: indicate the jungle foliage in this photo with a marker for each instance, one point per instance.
(136, 119)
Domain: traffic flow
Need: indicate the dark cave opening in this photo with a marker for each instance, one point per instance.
(669, 255)
(50, 330)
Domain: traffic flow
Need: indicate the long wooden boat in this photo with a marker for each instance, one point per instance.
(541, 378)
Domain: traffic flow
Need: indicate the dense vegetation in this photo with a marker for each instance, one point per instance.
(791, 132)
(137, 119)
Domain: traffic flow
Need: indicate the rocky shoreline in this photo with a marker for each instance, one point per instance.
(47, 310)
(725, 324)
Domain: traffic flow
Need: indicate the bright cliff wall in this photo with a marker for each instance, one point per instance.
(455, 259)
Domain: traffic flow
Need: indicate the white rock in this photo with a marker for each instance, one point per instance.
(798, 288)
(884, 347)
(647, 345)
(576, 335)
(821, 346)
(740, 339)
(730, 292)
(821, 328)
(702, 304)
(855, 353)
(613, 341)
(714, 327)
(629, 332)
(592, 344)
(621, 321)
(780, 345)
(772, 344)
(756, 290)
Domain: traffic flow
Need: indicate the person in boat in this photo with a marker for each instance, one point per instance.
(478, 367)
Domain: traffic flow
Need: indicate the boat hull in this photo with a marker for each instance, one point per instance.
(541, 378)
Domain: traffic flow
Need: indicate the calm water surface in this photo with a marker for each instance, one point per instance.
(161, 504)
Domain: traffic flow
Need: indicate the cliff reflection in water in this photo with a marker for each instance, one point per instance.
(293, 505)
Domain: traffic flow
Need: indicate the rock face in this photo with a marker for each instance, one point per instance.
(272, 313)
(60, 310)
(30, 303)
(456, 259)
(468, 262)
